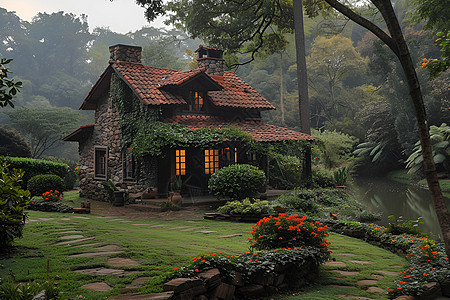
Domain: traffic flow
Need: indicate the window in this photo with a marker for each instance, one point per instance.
(180, 162)
(100, 162)
(196, 101)
(211, 161)
(228, 156)
(128, 164)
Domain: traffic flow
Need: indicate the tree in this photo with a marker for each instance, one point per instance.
(43, 128)
(8, 87)
(394, 39)
(13, 144)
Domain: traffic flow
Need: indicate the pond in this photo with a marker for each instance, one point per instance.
(393, 198)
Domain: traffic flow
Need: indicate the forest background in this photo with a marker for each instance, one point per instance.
(356, 86)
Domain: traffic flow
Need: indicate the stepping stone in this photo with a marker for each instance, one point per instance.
(231, 235)
(65, 219)
(114, 220)
(346, 254)
(71, 231)
(396, 266)
(138, 282)
(347, 273)
(102, 217)
(46, 219)
(97, 287)
(92, 254)
(189, 229)
(337, 278)
(86, 245)
(367, 282)
(109, 248)
(354, 297)
(74, 241)
(105, 272)
(119, 262)
(84, 218)
(206, 231)
(179, 227)
(137, 296)
(71, 237)
(125, 221)
(139, 224)
(375, 289)
(29, 221)
(390, 273)
(155, 226)
(342, 286)
(377, 276)
(361, 262)
(335, 264)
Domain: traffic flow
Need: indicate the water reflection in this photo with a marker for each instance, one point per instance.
(392, 198)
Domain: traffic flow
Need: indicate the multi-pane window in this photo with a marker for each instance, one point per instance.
(211, 161)
(128, 164)
(100, 161)
(180, 162)
(197, 101)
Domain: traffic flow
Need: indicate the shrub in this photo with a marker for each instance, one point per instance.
(71, 175)
(12, 143)
(49, 206)
(237, 181)
(303, 201)
(285, 172)
(288, 231)
(27, 290)
(33, 167)
(246, 207)
(13, 200)
(40, 184)
(340, 176)
(321, 178)
(400, 226)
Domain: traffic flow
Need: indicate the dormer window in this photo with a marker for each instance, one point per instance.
(197, 101)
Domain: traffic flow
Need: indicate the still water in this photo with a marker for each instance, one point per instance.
(393, 198)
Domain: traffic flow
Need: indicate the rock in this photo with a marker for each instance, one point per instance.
(179, 285)
(137, 296)
(40, 296)
(97, 287)
(224, 291)
(211, 278)
(445, 287)
(252, 290)
(433, 291)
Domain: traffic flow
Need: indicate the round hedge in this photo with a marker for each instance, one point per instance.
(40, 184)
(237, 181)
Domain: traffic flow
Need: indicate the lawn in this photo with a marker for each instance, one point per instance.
(159, 245)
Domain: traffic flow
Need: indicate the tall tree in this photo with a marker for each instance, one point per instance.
(395, 40)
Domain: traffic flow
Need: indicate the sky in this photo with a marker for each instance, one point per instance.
(119, 15)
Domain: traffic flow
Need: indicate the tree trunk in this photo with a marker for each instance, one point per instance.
(303, 97)
(282, 89)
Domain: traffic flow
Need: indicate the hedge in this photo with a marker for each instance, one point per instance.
(33, 167)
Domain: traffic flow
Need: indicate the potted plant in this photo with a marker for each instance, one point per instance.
(175, 194)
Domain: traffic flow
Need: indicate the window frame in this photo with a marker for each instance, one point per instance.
(193, 97)
(211, 165)
(180, 162)
(100, 175)
(128, 159)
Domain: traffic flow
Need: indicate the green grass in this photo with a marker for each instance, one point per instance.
(328, 288)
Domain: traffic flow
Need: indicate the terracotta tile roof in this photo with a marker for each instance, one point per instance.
(255, 127)
(79, 133)
(181, 77)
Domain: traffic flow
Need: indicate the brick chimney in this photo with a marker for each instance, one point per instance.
(128, 53)
(211, 59)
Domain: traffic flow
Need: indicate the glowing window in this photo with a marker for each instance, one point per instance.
(197, 101)
(211, 161)
(180, 162)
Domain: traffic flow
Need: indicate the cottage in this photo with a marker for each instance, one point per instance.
(135, 105)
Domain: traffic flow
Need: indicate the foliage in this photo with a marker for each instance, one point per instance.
(13, 144)
(434, 12)
(13, 200)
(321, 178)
(288, 231)
(27, 290)
(160, 55)
(52, 196)
(49, 206)
(437, 66)
(252, 263)
(440, 140)
(71, 176)
(333, 148)
(400, 226)
(246, 207)
(8, 88)
(110, 188)
(237, 181)
(285, 171)
(33, 167)
(43, 128)
(341, 176)
(40, 184)
(302, 201)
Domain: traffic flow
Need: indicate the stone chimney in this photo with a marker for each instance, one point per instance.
(125, 53)
(211, 59)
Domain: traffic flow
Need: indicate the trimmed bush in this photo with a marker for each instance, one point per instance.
(42, 183)
(246, 207)
(237, 181)
(13, 200)
(33, 167)
(71, 176)
(48, 206)
(288, 231)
